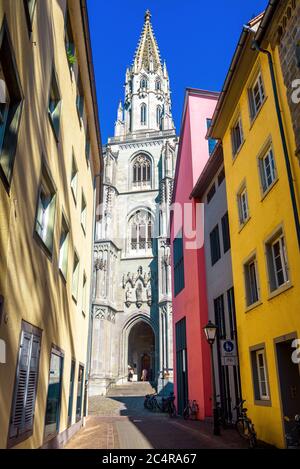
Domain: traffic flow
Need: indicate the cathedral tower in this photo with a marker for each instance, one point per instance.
(132, 305)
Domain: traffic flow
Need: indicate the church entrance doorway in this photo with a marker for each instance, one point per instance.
(141, 348)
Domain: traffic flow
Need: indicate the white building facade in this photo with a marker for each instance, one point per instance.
(132, 304)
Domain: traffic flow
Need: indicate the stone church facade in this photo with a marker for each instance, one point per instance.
(132, 304)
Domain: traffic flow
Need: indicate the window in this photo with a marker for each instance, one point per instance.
(251, 281)
(11, 103)
(277, 261)
(142, 171)
(53, 406)
(54, 107)
(71, 393)
(178, 255)
(159, 116)
(87, 145)
(215, 250)
(243, 206)
(64, 248)
(140, 226)
(83, 213)
(144, 83)
(74, 179)
(221, 176)
(260, 375)
(211, 193)
(84, 288)
(225, 232)
(24, 396)
(219, 311)
(79, 392)
(45, 217)
(256, 96)
(75, 279)
(237, 136)
(158, 85)
(267, 170)
(29, 6)
(69, 42)
(211, 141)
(143, 114)
(79, 97)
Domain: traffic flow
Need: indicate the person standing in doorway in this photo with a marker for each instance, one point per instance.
(144, 375)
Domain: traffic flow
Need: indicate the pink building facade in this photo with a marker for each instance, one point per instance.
(192, 373)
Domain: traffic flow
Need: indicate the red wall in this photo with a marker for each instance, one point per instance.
(191, 302)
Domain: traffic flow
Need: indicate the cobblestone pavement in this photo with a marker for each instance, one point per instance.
(119, 421)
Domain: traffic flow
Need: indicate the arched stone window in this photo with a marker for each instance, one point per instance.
(141, 171)
(140, 232)
(143, 114)
(159, 116)
(158, 85)
(144, 83)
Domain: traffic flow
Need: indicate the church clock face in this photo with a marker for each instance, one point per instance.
(132, 273)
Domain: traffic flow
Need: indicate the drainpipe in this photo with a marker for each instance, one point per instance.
(90, 330)
(256, 46)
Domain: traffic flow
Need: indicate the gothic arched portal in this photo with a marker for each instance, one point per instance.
(141, 350)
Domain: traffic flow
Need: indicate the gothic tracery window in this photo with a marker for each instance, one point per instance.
(141, 171)
(158, 85)
(140, 231)
(144, 83)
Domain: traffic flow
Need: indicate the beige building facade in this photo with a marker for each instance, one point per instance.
(49, 161)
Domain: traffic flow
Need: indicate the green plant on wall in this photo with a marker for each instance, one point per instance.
(71, 56)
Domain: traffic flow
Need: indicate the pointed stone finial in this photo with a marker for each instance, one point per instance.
(147, 16)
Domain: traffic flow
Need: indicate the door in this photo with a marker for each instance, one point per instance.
(289, 382)
(181, 366)
(145, 365)
(53, 406)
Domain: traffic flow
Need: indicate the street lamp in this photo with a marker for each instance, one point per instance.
(210, 331)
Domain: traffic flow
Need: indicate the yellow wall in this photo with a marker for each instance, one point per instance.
(30, 281)
(279, 315)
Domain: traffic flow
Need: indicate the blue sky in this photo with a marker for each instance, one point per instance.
(196, 38)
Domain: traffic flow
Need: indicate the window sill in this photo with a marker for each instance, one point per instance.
(263, 402)
(236, 154)
(42, 245)
(287, 286)
(264, 194)
(253, 119)
(253, 306)
(242, 225)
(62, 275)
(55, 133)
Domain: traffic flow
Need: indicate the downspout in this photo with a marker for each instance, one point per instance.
(256, 46)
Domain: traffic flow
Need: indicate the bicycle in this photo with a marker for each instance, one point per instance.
(244, 425)
(293, 436)
(191, 410)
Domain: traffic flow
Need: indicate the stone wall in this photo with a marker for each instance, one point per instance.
(289, 36)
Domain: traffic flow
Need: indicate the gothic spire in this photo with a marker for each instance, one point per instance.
(147, 54)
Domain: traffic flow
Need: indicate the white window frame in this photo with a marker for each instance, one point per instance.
(74, 179)
(255, 107)
(75, 276)
(64, 249)
(262, 396)
(283, 260)
(83, 213)
(237, 127)
(243, 206)
(253, 282)
(268, 160)
(143, 114)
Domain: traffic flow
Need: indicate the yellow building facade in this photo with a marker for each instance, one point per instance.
(49, 160)
(265, 246)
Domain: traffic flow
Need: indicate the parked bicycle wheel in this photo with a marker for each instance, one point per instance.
(244, 429)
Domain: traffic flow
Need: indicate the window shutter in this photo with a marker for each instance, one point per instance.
(17, 424)
(251, 103)
(32, 383)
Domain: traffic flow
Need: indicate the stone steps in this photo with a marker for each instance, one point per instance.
(131, 389)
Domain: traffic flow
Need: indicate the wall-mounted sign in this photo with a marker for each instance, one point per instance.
(228, 348)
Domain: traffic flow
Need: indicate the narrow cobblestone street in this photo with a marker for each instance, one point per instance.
(119, 421)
